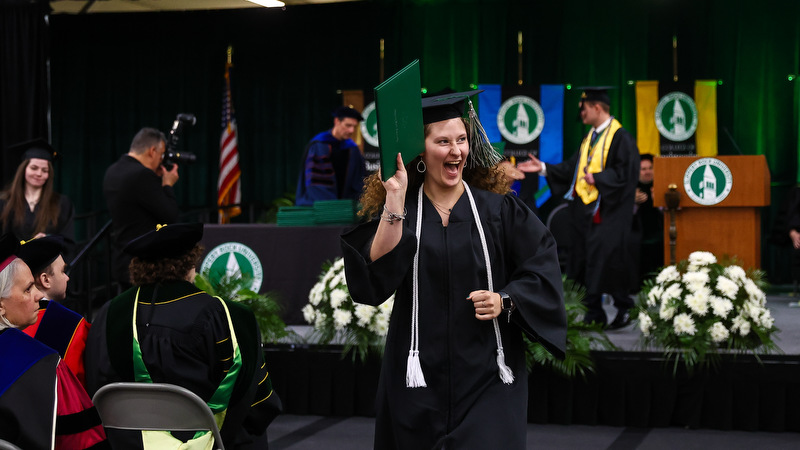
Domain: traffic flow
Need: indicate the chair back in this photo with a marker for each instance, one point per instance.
(5, 445)
(154, 406)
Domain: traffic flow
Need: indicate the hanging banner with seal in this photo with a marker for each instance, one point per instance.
(676, 119)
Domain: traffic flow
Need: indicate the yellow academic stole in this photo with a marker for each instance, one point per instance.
(593, 156)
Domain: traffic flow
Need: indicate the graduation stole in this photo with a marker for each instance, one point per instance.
(218, 403)
(594, 158)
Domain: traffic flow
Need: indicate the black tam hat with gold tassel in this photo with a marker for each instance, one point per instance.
(451, 106)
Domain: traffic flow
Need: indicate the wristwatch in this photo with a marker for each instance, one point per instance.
(508, 304)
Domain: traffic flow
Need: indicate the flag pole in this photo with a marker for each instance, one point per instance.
(382, 58)
(228, 188)
(519, 58)
(675, 58)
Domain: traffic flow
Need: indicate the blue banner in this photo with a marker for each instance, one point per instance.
(525, 120)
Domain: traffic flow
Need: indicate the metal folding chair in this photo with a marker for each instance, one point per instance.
(154, 406)
(5, 445)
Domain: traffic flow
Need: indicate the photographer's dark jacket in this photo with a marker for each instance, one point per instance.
(137, 203)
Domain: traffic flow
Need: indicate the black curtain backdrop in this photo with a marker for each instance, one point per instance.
(23, 77)
(112, 74)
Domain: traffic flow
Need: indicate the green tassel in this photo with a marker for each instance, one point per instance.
(481, 151)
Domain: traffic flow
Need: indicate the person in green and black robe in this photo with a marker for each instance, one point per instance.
(183, 336)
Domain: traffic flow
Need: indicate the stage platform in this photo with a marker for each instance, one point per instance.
(632, 386)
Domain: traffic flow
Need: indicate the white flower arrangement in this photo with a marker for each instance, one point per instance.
(336, 317)
(699, 307)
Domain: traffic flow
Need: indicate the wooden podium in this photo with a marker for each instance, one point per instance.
(731, 226)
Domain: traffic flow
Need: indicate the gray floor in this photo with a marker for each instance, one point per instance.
(338, 433)
(290, 432)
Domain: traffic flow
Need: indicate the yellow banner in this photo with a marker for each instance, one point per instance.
(647, 138)
(705, 98)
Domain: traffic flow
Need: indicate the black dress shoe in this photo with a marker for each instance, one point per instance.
(623, 319)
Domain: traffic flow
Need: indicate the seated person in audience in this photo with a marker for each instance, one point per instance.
(58, 327)
(166, 330)
(29, 206)
(42, 403)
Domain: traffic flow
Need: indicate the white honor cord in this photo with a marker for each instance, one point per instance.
(505, 372)
(414, 376)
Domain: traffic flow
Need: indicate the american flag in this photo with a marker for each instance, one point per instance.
(229, 190)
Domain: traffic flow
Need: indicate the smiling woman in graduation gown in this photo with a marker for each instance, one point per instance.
(465, 402)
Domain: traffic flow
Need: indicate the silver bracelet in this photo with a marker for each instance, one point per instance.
(392, 217)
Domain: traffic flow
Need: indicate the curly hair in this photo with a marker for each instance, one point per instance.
(13, 213)
(374, 195)
(145, 271)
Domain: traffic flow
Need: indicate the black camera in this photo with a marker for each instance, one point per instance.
(172, 156)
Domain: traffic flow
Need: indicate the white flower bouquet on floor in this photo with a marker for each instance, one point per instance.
(336, 318)
(699, 308)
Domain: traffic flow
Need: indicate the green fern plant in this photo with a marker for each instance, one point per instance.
(264, 306)
(582, 338)
(271, 213)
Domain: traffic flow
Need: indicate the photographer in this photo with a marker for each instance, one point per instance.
(139, 195)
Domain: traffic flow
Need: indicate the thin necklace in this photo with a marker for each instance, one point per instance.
(441, 208)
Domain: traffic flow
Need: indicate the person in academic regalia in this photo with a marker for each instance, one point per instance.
(599, 182)
(42, 403)
(333, 166)
(166, 330)
(30, 207)
(647, 236)
(473, 268)
(57, 326)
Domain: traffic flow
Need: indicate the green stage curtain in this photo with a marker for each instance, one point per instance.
(114, 73)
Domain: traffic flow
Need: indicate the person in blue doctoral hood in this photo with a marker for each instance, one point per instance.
(333, 166)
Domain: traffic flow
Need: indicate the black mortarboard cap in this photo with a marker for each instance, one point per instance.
(445, 106)
(454, 105)
(41, 252)
(346, 111)
(9, 245)
(35, 148)
(166, 241)
(596, 94)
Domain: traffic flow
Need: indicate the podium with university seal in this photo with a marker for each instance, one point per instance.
(720, 201)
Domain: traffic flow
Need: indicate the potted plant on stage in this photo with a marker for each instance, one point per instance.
(700, 308)
(264, 306)
(361, 329)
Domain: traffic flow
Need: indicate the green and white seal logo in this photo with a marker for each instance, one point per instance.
(520, 119)
(676, 116)
(708, 181)
(369, 126)
(233, 259)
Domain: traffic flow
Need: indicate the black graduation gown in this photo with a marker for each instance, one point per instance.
(647, 238)
(187, 343)
(465, 404)
(599, 255)
(63, 227)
